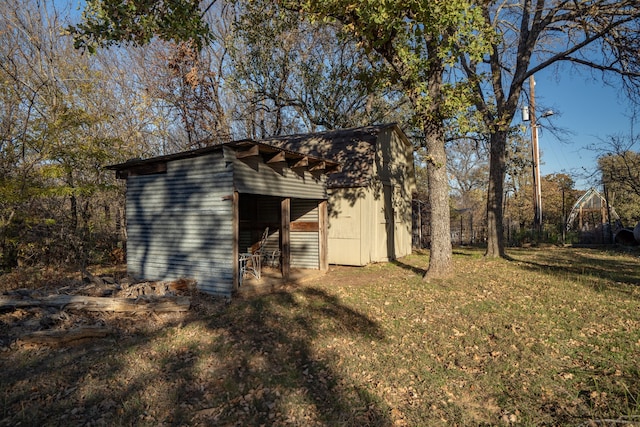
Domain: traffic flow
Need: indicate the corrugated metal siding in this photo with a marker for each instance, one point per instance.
(304, 210)
(252, 176)
(305, 251)
(245, 241)
(179, 224)
(305, 245)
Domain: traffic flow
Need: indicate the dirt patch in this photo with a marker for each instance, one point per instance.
(271, 280)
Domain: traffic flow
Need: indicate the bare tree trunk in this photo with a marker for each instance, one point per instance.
(74, 212)
(74, 203)
(497, 171)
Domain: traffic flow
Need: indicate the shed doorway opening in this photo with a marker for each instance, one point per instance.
(301, 246)
(257, 214)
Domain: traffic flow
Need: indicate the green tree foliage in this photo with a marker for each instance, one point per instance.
(264, 71)
(65, 115)
(109, 22)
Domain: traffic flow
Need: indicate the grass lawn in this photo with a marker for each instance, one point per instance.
(550, 337)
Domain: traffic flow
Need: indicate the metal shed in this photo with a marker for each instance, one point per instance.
(192, 214)
(370, 215)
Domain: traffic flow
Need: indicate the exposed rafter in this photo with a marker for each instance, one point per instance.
(279, 157)
(243, 149)
(319, 166)
(251, 152)
(302, 163)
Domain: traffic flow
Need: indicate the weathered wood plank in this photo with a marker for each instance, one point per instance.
(285, 237)
(81, 302)
(323, 235)
(311, 226)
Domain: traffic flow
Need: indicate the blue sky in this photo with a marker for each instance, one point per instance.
(589, 111)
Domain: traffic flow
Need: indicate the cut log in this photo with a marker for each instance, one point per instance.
(64, 336)
(81, 302)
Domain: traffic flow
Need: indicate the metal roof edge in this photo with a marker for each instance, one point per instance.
(327, 133)
(265, 148)
(170, 157)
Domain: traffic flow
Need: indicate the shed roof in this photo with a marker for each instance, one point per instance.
(353, 148)
(243, 148)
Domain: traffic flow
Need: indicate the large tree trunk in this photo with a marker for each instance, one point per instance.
(437, 180)
(497, 171)
(441, 251)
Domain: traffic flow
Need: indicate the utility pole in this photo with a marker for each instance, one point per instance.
(537, 193)
(564, 217)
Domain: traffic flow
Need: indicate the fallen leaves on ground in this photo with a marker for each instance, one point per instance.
(550, 338)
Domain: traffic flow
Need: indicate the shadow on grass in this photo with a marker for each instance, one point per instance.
(255, 361)
(412, 268)
(461, 253)
(587, 266)
(469, 252)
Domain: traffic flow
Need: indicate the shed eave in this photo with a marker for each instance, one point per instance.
(243, 149)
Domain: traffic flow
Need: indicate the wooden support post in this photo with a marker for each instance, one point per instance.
(235, 213)
(285, 229)
(323, 231)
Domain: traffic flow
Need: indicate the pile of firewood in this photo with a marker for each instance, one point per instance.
(96, 295)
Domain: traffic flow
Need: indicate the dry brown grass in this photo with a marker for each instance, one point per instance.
(551, 337)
